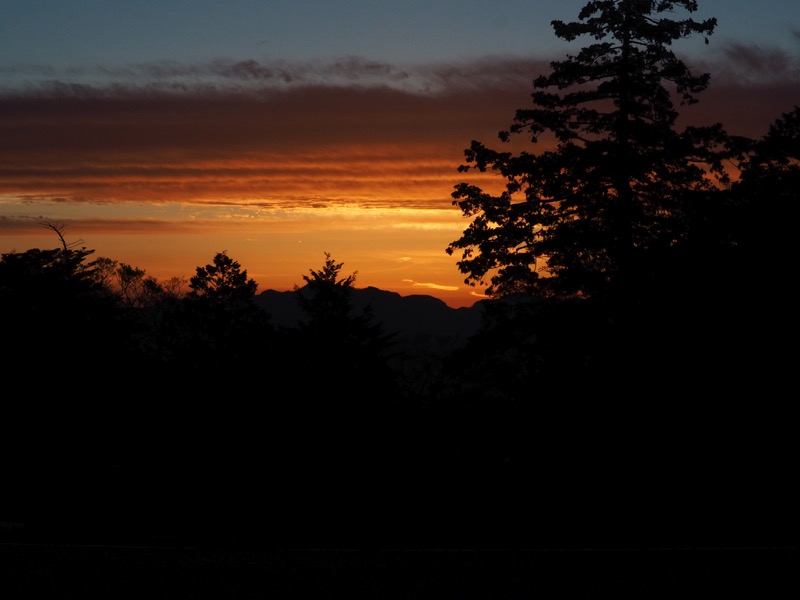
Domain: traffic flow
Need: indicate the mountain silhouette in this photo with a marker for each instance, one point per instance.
(414, 319)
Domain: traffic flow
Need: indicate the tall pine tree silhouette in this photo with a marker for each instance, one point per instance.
(614, 182)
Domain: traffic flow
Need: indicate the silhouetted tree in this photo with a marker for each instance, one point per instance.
(216, 327)
(619, 209)
(617, 312)
(770, 178)
(615, 179)
(209, 353)
(759, 253)
(341, 356)
(60, 316)
(341, 336)
(66, 350)
(138, 290)
(223, 283)
(327, 299)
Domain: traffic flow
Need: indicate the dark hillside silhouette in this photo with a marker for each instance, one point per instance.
(409, 317)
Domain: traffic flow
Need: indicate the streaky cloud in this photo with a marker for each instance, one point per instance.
(753, 62)
(266, 133)
(432, 286)
(228, 76)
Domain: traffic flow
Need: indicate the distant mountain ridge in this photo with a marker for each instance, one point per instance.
(409, 317)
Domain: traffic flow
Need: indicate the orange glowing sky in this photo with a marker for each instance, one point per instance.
(163, 164)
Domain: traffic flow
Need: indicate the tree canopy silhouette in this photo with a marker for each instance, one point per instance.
(326, 298)
(770, 178)
(57, 310)
(217, 325)
(223, 282)
(615, 181)
(349, 342)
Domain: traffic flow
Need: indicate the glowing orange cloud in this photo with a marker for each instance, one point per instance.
(278, 164)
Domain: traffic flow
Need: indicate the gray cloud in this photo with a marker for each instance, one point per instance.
(755, 62)
(256, 76)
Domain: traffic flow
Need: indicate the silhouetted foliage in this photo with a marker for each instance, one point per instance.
(615, 180)
(631, 274)
(326, 298)
(223, 284)
(215, 328)
(66, 352)
(340, 358)
(766, 192)
(139, 290)
(620, 211)
(350, 344)
(58, 313)
(760, 253)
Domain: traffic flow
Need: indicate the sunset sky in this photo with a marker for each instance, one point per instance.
(163, 132)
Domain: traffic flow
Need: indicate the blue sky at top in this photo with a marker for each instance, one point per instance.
(114, 32)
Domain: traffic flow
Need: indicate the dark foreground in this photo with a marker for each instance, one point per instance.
(705, 510)
(229, 573)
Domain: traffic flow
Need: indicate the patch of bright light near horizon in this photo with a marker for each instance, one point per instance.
(246, 208)
(349, 216)
(125, 217)
(432, 286)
